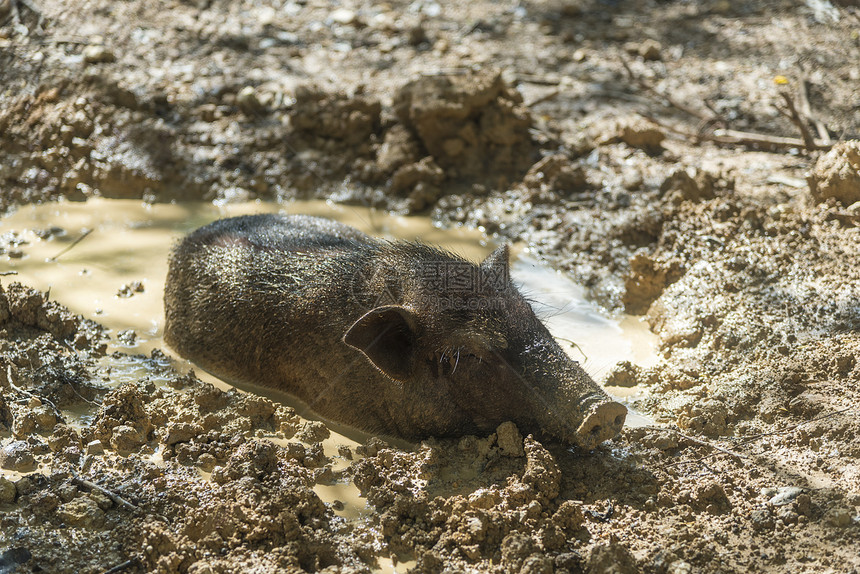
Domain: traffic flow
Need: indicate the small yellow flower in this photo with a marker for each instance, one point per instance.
(780, 80)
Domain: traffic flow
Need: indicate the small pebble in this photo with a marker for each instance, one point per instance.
(95, 447)
(509, 439)
(127, 337)
(248, 101)
(344, 451)
(650, 50)
(82, 511)
(24, 486)
(838, 517)
(206, 462)
(97, 54)
(784, 495)
(343, 16)
(130, 289)
(181, 432)
(761, 519)
(125, 438)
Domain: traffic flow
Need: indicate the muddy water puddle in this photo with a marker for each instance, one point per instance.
(107, 259)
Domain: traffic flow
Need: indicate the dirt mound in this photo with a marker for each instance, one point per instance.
(472, 123)
(837, 174)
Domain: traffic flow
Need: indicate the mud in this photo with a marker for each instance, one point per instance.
(741, 257)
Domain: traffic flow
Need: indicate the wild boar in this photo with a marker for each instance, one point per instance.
(391, 337)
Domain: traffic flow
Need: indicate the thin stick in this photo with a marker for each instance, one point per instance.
(16, 12)
(749, 138)
(734, 137)
(68, 248)
(574, 346)
(722, 136)
(713, 446)
(4, 273)
(603, 517)
(749, 439)
(25, 392)
(806, 110)
(755, 437)
(791, 113)
(64, 41)
(538, 80)
(546, 97)
(120, 501)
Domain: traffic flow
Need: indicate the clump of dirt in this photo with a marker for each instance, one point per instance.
(348, 121)
(83, 137)
(554, 177)
(464, 129)
(635, 131)
(472, 124)
(497, 500)
(837, 174)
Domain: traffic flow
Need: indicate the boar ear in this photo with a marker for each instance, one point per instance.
(386, 335)
(498, 259)
(495, 266)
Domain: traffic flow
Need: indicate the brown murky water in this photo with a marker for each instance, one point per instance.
(115, 274)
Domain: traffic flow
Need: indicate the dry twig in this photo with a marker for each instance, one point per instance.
(544, 98)
(750, 138)
(790, 111)
(603, 517)
(730, 137)
(725, 136)
(749, 439)
(806, 110)
(16, 12)
(707, 444)
(120, 501)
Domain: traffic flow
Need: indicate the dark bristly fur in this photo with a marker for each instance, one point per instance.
(383, 336)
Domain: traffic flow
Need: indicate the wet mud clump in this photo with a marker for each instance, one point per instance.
(837, 174)
(508, 512)
(335, 117)
(472, 124)
(85, 137)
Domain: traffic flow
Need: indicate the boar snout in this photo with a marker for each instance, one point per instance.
(602, 422)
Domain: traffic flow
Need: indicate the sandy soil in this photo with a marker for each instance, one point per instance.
(604, 134)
